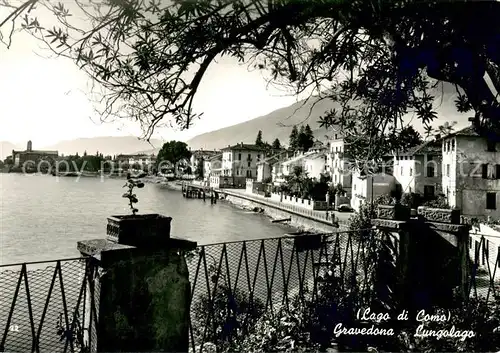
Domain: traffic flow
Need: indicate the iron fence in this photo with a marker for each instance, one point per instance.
(49, 306)
(52, 306)
(234, 283)
(484, 257)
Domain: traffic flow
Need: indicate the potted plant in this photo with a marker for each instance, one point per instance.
(135, 229)
(395, 211)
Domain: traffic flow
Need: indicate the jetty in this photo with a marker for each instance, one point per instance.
(191, 191)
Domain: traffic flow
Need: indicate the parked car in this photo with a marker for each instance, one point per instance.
(344, 208)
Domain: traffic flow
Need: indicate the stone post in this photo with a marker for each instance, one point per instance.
(144, 296)
(446, 225)
(463, 260)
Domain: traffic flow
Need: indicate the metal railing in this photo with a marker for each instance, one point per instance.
(484, 257)
(48, 306)
(52, 306)
(234, 283)
(302, 211)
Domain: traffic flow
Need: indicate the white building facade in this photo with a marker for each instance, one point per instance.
(419, 169)
(338, 163)
(471, 173)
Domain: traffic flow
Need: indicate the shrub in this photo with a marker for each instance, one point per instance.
(227, 316)
(411, 200)
(283, 331)
(437, 202)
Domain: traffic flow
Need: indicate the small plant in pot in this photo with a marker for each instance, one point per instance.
(132, 198)
(137, 229)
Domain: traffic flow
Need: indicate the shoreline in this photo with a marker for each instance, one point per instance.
(172, 185)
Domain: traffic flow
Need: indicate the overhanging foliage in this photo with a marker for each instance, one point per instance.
(378, 59)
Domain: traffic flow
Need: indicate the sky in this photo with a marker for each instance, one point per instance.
(46, 99)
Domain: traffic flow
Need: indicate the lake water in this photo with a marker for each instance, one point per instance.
(42, 217)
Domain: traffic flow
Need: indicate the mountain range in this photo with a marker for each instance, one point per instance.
(277, 124)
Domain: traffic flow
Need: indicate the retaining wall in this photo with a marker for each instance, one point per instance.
(297, 221)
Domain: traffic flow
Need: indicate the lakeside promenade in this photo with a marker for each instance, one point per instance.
(318, 216)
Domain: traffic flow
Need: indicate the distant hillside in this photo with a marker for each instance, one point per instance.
(110, 145)
(279, 123)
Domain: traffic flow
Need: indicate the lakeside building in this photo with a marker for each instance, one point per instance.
(319, 147)
(239, 162)
(338, 163)
(29, 155)
(214, 170)
(267, 167)
(201, 156)
(368, 187)
(418, 170)
(471, 173)
(142, 160)
(315, 164)
(297, 160)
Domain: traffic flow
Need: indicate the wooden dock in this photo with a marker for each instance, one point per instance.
(199, 192)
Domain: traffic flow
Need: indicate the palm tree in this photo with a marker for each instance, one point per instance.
(447, 128)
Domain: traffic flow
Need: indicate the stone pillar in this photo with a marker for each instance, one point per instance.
(452, 238)
(144, 296)
(463, 260)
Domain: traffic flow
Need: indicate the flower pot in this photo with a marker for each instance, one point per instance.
(308, 242)
(396, 212)
(442, 215)
(139, 230)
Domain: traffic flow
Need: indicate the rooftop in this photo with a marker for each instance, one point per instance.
(243, 147)
(217, 156)
(468, 131)
(428, 147)
(137, 155)
(299, 157)
(37, 152)
(275, 157)
(316, 156)
(204, 153)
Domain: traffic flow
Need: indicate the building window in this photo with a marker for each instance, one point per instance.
(430, 171)
(497, 171)
(429, 191)
(453, 145)
(491, 200)
(484, 171)
(248, 164)
(448, 170)
(335, 136)
(411, 171)
(491, 146)
(239, 156)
